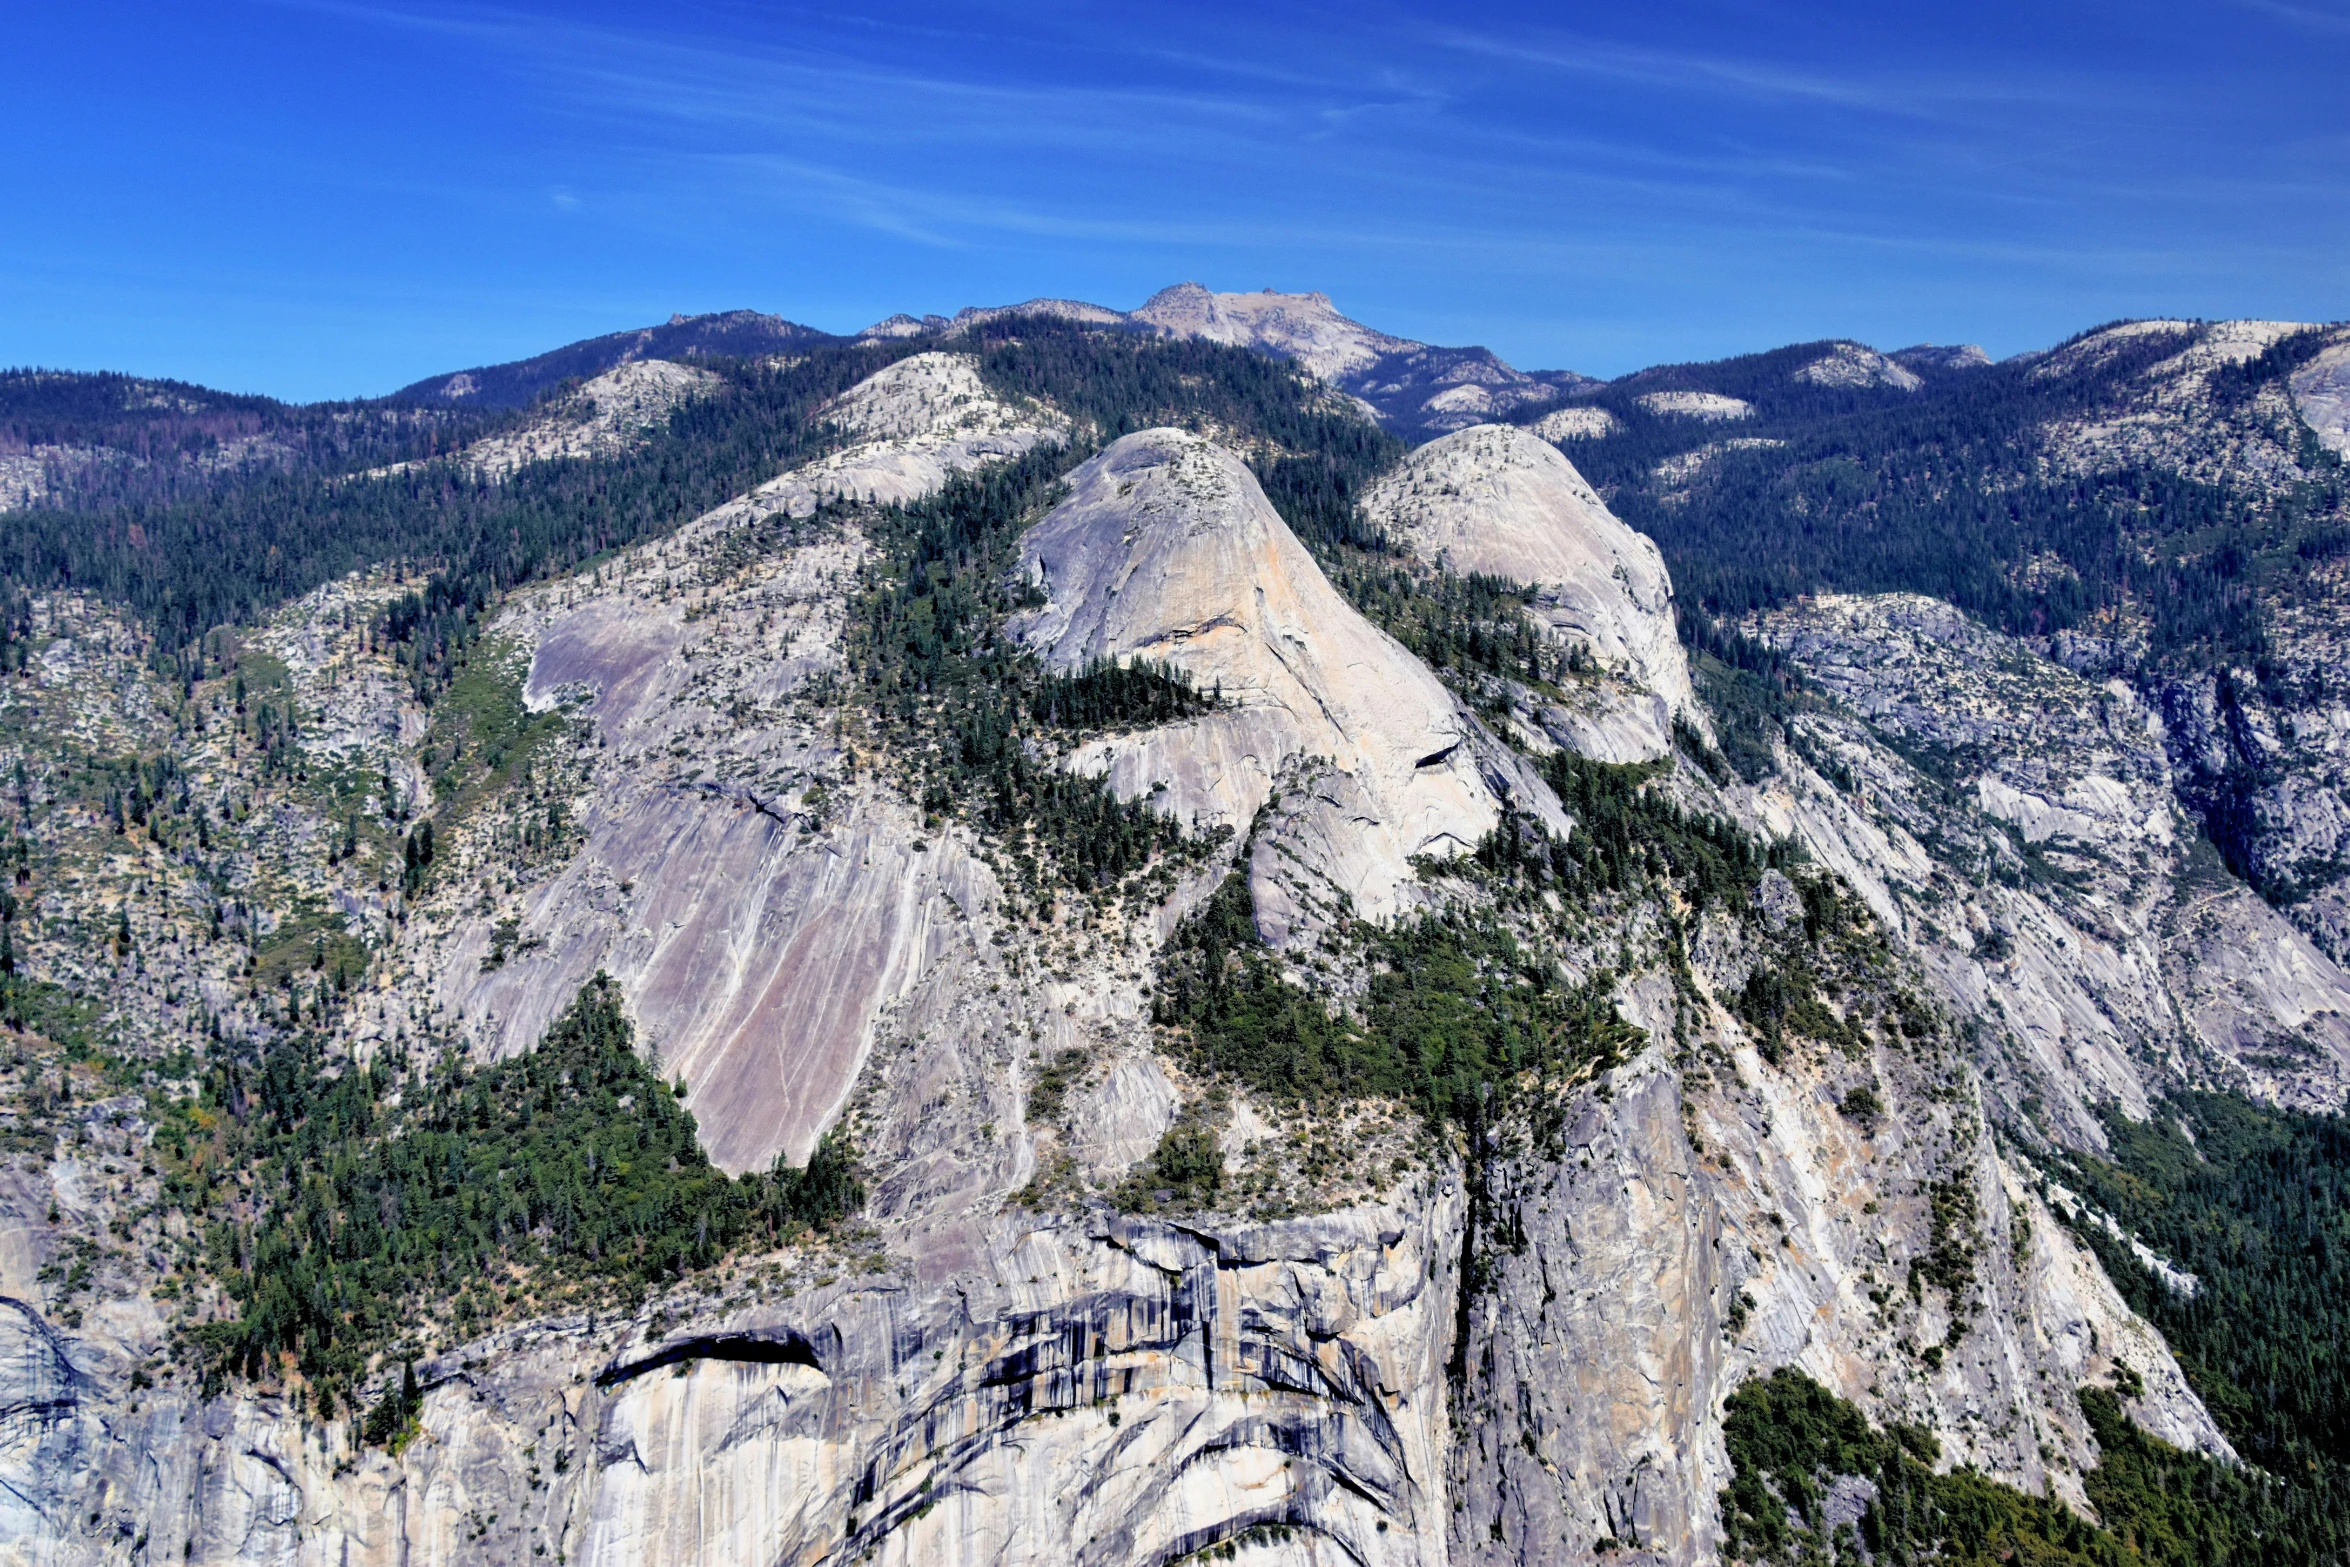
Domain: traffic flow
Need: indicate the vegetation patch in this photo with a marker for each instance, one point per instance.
(1186, 1169)
(1454, 1009)
(2255, 1203)
(484, 735)
(953, 698)
(342, 1209)
(1794, 1447)
(1110, 695)
(1814, 1482)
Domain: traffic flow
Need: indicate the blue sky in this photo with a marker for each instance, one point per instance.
(326, 199)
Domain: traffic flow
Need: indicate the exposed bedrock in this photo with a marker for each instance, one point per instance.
(760, 908)
(2263, 765)
(755, 953)
(907, 428)
(760, 903)
(1094, 1390)
(1167, 550)
(2017, 826)
(1496, 500)
(2321, 392)
(1701, 1230)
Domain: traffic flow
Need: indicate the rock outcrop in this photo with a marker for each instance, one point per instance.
(1576, 424)
(2171, 413)
(2321, 391)
(1498, 501)
(1705, 407)
(1941, 356)
(2103, 951)
(1858, 368)
(604, 416)
(1166, 550)
(1412, 387)
(907, 427)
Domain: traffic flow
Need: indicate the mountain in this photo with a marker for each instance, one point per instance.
(1413, 388)
(1029, 938)
(734, 334)
(76, 441)
(2156, 502)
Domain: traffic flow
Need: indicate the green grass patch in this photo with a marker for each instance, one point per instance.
(483, 735)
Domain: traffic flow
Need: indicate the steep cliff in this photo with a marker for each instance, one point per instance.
(1166, 550)
(759, 901)
(2065, 903)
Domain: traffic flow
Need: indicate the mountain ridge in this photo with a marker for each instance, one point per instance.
(1266, 988)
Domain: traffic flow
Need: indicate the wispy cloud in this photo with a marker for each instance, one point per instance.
(1665, 164)
(2309, 18)
(1929, 95)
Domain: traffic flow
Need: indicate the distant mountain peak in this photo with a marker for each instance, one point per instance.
(1856, 365)
(1305, 327)
(1415, 388)
(728, 333)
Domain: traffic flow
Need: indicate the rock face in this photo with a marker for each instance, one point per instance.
(760, 905)
(1124, 1393)
(1040, 1390)
(2262, 762)
(1709, 407)
(2321, 391)
(1499, 501)
(1852, 365)
(1703, 1227)
(909, 427)
(1167, 550)
(2097, 931)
